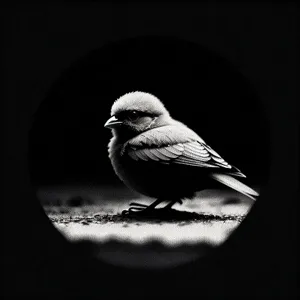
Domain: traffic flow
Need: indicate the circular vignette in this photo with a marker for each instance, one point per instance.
(68, 144)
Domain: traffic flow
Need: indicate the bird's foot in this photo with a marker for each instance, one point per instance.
(137, 209)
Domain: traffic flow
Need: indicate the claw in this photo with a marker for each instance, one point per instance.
(137, 207)
(125, 212)
(138, 204)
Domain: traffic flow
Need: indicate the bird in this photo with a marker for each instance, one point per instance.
(162, 158)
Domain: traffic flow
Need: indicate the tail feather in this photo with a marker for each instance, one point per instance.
(235, 184)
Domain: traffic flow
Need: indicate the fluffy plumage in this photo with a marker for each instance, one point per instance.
(139, 101)
(161, 157)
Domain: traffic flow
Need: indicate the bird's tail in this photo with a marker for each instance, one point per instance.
(235, 184)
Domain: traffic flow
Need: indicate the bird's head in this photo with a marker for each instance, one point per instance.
(136, 112)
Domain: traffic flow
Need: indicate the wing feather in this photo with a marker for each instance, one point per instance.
(140, 154)
(170, 146)
(179, 147)
(194, 163)
(173, 150)
(156, 152)
(165, 151)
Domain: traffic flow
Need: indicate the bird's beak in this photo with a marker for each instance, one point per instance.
(112, 122)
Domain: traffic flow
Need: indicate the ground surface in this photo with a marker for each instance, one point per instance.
(186, 232)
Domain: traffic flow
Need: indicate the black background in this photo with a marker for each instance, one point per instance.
(41, 41)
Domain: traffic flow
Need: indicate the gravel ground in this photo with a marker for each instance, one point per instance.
(188, 231)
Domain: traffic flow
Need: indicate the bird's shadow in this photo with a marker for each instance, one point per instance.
(173, 215)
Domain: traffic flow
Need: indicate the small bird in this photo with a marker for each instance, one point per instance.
(162, 158)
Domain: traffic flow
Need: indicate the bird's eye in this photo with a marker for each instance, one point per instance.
(133, 115)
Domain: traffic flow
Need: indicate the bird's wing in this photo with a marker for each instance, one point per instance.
(176, 145)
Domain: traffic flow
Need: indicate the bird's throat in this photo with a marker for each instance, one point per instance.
(124, 134)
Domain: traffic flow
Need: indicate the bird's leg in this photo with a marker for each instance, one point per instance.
(171, 203)
(155, 203)
(141, 208)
